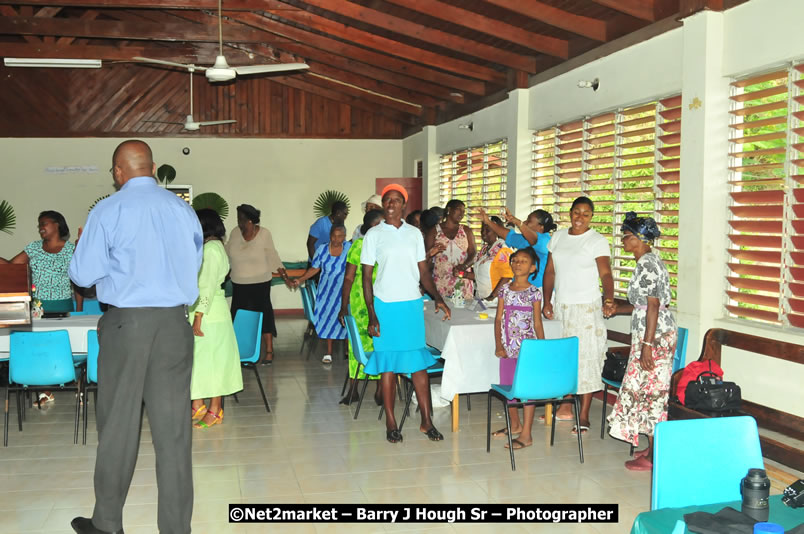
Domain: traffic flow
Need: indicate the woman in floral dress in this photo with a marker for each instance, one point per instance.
(643, 397)
(457, 255)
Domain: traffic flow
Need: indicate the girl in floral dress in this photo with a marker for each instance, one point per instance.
(457, 244)
(643, 397)
(519, 316)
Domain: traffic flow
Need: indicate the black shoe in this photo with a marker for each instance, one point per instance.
(393, 436)
(83, 525)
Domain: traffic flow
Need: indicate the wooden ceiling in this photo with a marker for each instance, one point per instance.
(378, 68)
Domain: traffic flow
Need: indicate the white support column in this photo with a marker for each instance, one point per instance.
(703, 210)
(518, 188)
(430, 178)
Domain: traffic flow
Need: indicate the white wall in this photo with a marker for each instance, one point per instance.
(697, 60)
(281, 177)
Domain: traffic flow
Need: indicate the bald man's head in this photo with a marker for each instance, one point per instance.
(131, 159)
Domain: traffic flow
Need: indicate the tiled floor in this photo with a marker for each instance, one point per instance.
(310, 450)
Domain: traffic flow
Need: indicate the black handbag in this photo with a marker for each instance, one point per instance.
(709, 393)
(614, 366)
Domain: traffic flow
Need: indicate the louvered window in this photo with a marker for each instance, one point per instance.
(766, 224)
(625, 160)
(477, 176)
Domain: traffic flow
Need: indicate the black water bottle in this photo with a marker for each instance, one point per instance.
(755, 488)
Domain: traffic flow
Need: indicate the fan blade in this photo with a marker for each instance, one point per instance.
(277, 67)
(213, 123)
(168, 63)
(165, 122)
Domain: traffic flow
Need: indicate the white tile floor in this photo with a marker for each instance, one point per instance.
(310, 450)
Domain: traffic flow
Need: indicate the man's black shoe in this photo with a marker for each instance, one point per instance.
(83, 525)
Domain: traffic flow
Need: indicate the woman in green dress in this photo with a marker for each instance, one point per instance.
(352, 296)
(216, 359)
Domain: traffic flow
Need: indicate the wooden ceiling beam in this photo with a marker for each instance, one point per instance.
(586, 26)
(314, 56)
(231, 5)
(356, 53)
(47, 12)
(690, 7)
(431, 35)
(395, 48)
(183, 54)
(8, 11)
(650, 10)
(327, 90)
(109, 29)
(470, 19)
(89, 14)
(351, 78)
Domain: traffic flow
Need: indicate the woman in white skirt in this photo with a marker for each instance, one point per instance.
(578, 261)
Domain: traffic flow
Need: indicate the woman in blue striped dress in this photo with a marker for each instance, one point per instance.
(330, 261)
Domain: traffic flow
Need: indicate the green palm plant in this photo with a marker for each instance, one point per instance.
(8, 220)
(212, 201)
(96, 201)
(165, 174)
(323, 204)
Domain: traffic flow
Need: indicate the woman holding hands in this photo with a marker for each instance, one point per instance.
(643, 397)
(577, 264)
(395, 308)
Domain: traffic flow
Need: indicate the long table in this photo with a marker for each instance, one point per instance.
(467, 345)
(77, 327)
(671, 520)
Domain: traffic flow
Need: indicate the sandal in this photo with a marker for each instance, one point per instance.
(199, 413)
(327, 358)
(393, 436)
(266, 361)
(501, 433)
(584, 429)
(518, 444)
(640, 464)
(433, 434)
(44, 399)
(558, 418)
(218, 420)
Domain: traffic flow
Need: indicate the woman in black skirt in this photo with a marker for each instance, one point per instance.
(254, 259)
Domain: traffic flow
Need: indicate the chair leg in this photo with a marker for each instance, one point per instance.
(5, 418)
(631, 452)
(488, 424)
(235, 397)
(362, 394)
(345, 381)
(553, 425)
(262, 391)
(603, 417)
(508, 433)
(578, 426)
(468, 402)
(409, 398)
(85, 410)
(77, 415)
(20, 408)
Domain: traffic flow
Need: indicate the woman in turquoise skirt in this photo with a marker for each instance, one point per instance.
(352, 298)
(216, 358)
(396, 309)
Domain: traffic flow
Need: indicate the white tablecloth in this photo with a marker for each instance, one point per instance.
(77, 327)
(467, 346)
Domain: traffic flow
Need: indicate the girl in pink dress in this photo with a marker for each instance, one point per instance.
(519, 316)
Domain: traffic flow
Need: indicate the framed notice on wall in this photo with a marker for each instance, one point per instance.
(184, 192)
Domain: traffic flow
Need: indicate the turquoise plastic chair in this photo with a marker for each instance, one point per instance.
(308, 304)
(702, 461)
(39, 361)
(546, 372)
(91, 307)
(435, 370)
(91, 376)
(360, 356)
(248, 331)
(678, 363)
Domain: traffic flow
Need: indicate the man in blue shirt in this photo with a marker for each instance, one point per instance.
(142, 249)
(319, 231)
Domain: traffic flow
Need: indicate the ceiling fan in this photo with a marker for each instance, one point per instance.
(190, 124)
(221, 71)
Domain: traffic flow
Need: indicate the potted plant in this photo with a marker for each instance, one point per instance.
(8, 220)
(212, 201)
(323, 204)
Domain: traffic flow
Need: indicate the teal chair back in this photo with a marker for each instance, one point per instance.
(92, 307)
(546, 369)
(679, 360)
(248, 332)
(702, 461)
(355, 341)
(93, 349)
(41, 358)
(307, 303)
